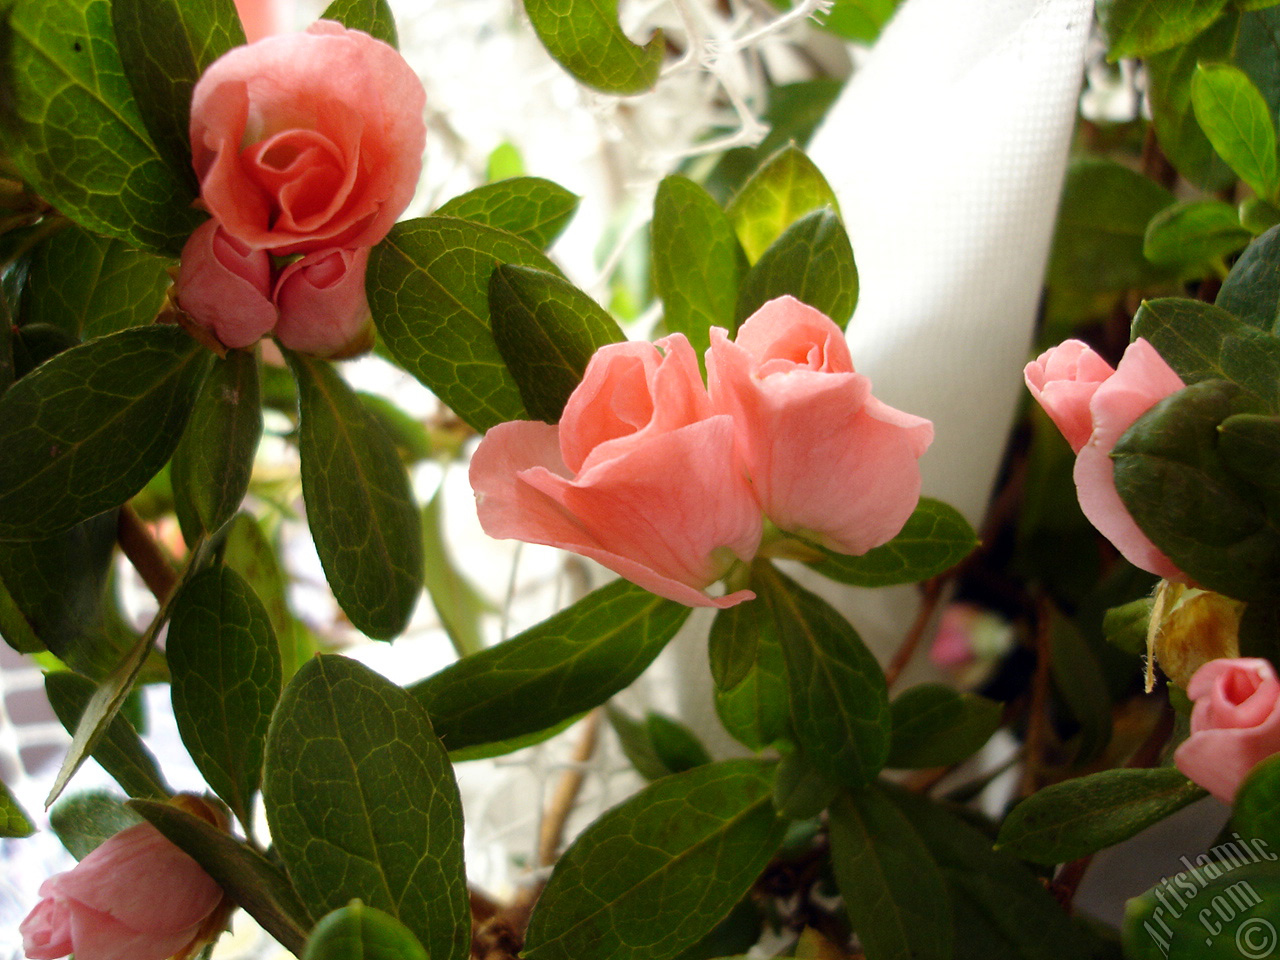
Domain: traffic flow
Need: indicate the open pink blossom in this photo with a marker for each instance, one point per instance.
(1235, 723)
(322, 304)
(262, 18)
(308, 141)
(225, 286)
(1080, 391)
(136, 897)
(640, 475)
(827, 460)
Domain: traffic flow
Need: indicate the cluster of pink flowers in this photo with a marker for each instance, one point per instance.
(308, 147)
(669, 482)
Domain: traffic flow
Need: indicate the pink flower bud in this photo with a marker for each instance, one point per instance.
(225, 286)
(323, 310)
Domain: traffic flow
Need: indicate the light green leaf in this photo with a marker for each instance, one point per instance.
(533, 209)
(812, 261)
(90, 427)
(547, 331)
(1193, 233)
(458, 604)
(374, 17)
(935, 726)
(14, 821)
(656, 873)
(82, 822)
(225, 667)
(1138, 28)
(1256, 811)
(72, 127)
(564, 666)
(363, 805)
(934, 539)
(357, 932)
(360, 507)
(1078, 817)
(860, 20)
(428, 286)
(783, 190)
(839, 701)
(1238, 123)
(586, 39)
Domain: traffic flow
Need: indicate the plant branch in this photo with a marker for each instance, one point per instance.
(930, 596)
(145, 554)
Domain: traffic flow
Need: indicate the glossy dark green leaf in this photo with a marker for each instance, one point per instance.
(1193, 233)
(428, 285)
(72, 127)
(1080, 681)
(656, 873)
(360, 507)
(756, 709)
(363, 805)
(120, 750)
(374, 17)
(800, 792)
(547, 330)
(1138, 28)
(459, 605)
(893, 891)
(162, 75)
(1251, 291)
(214, 459)
(357, 932)
(500, 748)
(1170, 475)
(1078, 817)
(785, 188)
(657, 746)
(249, 878)
(934, 539)
(225, 668)
(839, 701)
(90, 285)
(859, 20)
(734, 641)
(697, 261)
(1250, 448)
(15, 629)
(89, 428)
(812, 261)
(1238, 123)
(557, 669)
(586, 39)
(533, 209)
(935, 726)
(35, 343)
(84, 820)
(1256, 810)
(14, 821)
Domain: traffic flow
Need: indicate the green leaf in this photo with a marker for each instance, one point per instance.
(839, 701)
(7, 329)
(656, 873)
(90, 286)
(214, 459)
(547, 330)
(934, 539)
(800, 792)
(859, 20)
(734, 643)
(428, 286)
(1078, 817)
(586, 39)
(783, 190)
(360, 507)
(225, 667)
(1193, 233)
(1138, 28)
(1080, 681)
(458, 604)
(1250, 448)
(557, 669)
(163, 75)
(533, 209)
(374, 17)
(500, 748)
(812, 261)
(35, 343)
(1256, 810)
(697, 261)
(357, 932)
(84, 821)
(72, 127)
(1238, 123)
(1258, 215)
(247, 877)
(936, 726)
(755, 709)
(120, 751)
(504, 162)
(90, 427)
(1251, 291)
(658, 745)
(1170, 475)
(1126, 626)
(362, 803)
(893, 891)
(14, 821)
(1204, 342)
(633, 737)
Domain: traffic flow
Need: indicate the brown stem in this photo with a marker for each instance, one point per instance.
(931, 594)
(551, 835)
(1067, 882)
(1038, 718)
(145, 554)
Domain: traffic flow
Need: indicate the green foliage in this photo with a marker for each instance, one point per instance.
(1080, 682)
(1078, 817)
(363, 805)
(1256, 811)
(1194, 233)
(859, 20)
(83, 821)
(800, 792)
(225, 668)
(547, 331)
(66, 88)
(533, 209)
(783, 190)
(374, 17)
(935, 726)
(14, 821)
(657, 746)
(360, 507)
(557, 669)
(357, 932)
(458, 604)
(1250, 446)
(1238, 123)
(586, 39)
(734, 642)
(1251, 291)
(745, 648)
(656, 873)
(1138, 28)
(812, 260)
